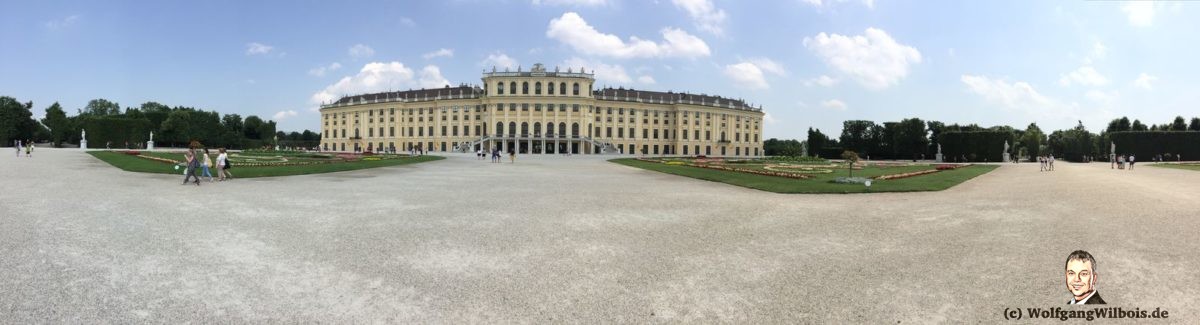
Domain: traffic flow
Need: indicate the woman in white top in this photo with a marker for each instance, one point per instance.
(223, 165)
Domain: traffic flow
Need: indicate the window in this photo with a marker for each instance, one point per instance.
(537, 107)
(537, 88)
(550, 88)
(477, 131)
(525, 88)
(524, 107)
(708, 135)
(631, 134)
(512, 87)
(645, 133)
(524, 128)
(410, 132)
(608, 132)
(685, 138)
(499, 128)
(576, 90)
(621, 133)
(421, 132)
(685, 150)
(575, 108)
(512, 128)
(737, 137)
(500, 88)
(453, 131)
(431, 131)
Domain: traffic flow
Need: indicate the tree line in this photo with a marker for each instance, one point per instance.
(913, 138)
(107, 125)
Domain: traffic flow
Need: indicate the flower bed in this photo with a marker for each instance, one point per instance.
(949, 166)
(165, 160)
(131, 152)
(738, 170)
(798, 169)
(907, 175)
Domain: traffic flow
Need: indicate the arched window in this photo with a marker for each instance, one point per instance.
(549, 129)
(525, 88)
(499, 128)
(512, 88)
(512, 128)
(537, 128)
(524, 128)
(562, 88)
(549, 88)
(562, 129)
(500, 88)
(574, 129)
(537, 88)
(576, 91)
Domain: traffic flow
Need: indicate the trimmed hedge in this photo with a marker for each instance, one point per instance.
(1148, 144)
(974, 146)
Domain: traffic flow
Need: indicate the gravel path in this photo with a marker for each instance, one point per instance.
(577, 240)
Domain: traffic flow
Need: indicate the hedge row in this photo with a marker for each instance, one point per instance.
(1149, 144)
(973, 146)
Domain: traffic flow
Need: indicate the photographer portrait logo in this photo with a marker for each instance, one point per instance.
(1081, 279)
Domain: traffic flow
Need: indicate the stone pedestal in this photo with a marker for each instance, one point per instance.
(149, 145)
(939, 158)
(82, 144)
(1006, 158)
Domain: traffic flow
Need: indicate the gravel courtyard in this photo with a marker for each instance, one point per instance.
(577, 240)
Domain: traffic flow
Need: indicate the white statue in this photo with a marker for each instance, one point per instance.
(939, 148)
(1005, 145)
(151, 136)
(1113, 149)
(82, 134)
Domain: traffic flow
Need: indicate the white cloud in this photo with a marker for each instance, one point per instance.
(1019, 96)
(875, 60)
(439, 53)
(572, 30)
(820, 4)
(256, 48)
(604, 72)
(747, 75)
(646, 80)
(578, 3)
(322, 70)
(1100, 97)
(704, 14)
(1141, 13)
(62, 23)
(1099, 51)
(361, 51)
(380, 77)
(1085, 75)
(279, 116)
(500, 61)
(1145, 81)
(823, 81)
(751, 73)
(834, 104)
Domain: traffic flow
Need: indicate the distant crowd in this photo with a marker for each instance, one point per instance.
(199, 164)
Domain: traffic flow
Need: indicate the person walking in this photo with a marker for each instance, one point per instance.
(1132, 160)
(17, 145)
(206, 163)
(222, 165)
(512, 156)
(192, 164)
(1051, 162)
(28, 148)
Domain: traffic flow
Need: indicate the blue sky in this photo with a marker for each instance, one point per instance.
(807, 62)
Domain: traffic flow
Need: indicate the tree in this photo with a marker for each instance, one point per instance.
(175, 128)
(1179, 124)
(911, 138)
(16, 121)
(101, 107)
(250, 128)
(935, 128)
(1138, 126)
(856, 135)
(232, 122)
(1195, 126)
(58, 123)
(1032, 141)
(851, 158)
(816, 142)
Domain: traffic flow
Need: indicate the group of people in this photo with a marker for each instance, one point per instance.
(495, 153)
(27, 146)
(197, 162)
(1047, 163)
(1120, 161)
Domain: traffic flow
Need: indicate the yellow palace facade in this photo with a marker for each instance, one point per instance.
(542, 112)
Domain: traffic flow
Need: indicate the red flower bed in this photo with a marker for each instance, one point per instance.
(739, 170)
(131, 152)
(950, 167)
(907, 175)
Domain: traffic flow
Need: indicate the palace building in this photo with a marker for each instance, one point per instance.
(542, 112)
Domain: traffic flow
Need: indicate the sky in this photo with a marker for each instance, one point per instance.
(808, 63)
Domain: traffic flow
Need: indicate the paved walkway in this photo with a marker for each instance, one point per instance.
(576, 239)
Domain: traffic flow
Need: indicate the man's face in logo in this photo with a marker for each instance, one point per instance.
(1080, 278)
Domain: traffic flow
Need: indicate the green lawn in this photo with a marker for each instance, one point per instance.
(1179, 166)
(820, 184)
(135, 164)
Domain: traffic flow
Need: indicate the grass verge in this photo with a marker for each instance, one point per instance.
(933, 182)
(141, 165)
